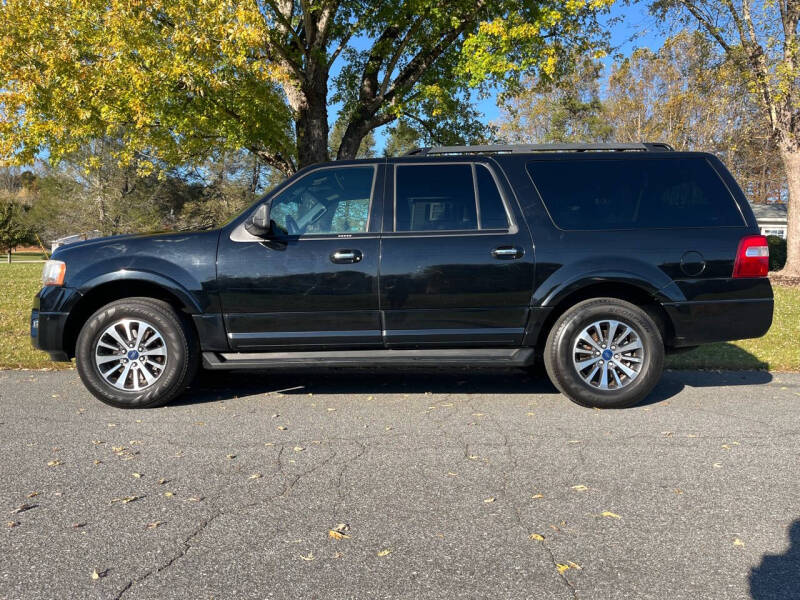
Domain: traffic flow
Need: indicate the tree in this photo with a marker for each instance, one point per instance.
(365, 150)
(178, 80)
(12, 230)
(688, 94)
(402, 138)
(760, 38)
(569, 110)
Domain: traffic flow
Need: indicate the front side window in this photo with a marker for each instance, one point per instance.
(327, 201)
(447, 197)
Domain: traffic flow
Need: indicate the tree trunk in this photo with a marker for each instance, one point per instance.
(309, 102)
(351, 140)
(791, 163)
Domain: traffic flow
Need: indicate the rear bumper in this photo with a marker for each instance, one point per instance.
(702, 322)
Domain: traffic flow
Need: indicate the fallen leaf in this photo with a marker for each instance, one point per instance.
(298, 448)
(162, 481)
(489, 500)
(98, 574)
(337, 535)
(451, 474)
(478, 414)
(54, 463)
(137, 475)
(32, 494)
(738, 542)
(569, 565)
(154, 524)
(610, 515)
(678, 491)
(579, 488)
(231, 456)
(385, 552)
(309, 557)
(282, 427)
(196, 499)
(23, 508)
(78, 525)
(331, 409)
(255, 476)
(199, 423)
(169, 494)
(473, 457)
(126, 499)
(717, 465)
(537, 496)
(530, 414)
(537, 537)
(98, 462)
(10, 524)
(725, 447)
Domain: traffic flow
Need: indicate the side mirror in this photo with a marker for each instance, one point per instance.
(258, 224)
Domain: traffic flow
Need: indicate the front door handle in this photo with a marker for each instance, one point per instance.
(346, 256)
(507, 252)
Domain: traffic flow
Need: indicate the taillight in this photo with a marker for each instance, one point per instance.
(752, 257)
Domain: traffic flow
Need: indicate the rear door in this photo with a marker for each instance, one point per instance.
(314, 284)
(456, 258)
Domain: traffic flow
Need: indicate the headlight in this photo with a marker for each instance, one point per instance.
(53, 273)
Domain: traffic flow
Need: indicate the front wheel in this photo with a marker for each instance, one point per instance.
(604, 353)
(137, 353)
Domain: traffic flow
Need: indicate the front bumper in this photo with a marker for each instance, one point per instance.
(49, 319)
(47, 333)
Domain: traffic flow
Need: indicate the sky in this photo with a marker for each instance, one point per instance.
(631, 27)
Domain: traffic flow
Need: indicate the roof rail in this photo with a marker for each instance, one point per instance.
(529, 148)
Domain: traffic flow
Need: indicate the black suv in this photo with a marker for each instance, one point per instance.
(597, 259)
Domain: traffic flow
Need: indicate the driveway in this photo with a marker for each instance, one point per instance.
(466, 484)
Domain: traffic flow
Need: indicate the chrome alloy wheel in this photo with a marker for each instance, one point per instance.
(131, 355)
(608, 355)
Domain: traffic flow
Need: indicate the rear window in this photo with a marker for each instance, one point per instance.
(629, 194)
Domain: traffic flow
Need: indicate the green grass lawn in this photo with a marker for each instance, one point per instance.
(777, 350)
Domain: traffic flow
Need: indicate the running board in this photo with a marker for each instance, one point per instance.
(489, 357)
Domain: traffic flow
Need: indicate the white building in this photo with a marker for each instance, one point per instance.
(78, 237)
(771, 218)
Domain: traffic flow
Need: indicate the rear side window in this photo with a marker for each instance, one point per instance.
(628, 194)
(447, 197)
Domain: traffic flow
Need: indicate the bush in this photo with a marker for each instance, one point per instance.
(777, 252)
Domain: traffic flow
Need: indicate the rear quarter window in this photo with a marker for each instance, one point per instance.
(632, 194)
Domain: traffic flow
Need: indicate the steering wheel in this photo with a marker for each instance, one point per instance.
(291, 226)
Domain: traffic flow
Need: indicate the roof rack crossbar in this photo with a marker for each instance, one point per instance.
(530, 148)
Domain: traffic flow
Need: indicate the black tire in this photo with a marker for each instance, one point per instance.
(179, 339)
(560, 350)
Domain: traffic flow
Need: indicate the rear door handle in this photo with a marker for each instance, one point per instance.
(346, 256)
(507, 252)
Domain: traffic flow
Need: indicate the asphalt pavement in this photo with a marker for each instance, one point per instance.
(412, 484)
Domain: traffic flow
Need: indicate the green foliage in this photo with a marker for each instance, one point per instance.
(567, 111)
(13, 231)
(179, 81)
(777, 252)
(402, 138)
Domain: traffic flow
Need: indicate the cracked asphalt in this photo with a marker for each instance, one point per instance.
(440, 477)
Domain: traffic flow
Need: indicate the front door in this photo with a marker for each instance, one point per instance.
(314, 283)
(457, 260)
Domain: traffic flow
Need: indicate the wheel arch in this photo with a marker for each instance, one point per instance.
(640, 295)
(109, 291)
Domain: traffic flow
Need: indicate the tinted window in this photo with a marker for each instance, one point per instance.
(493, 213)
(624, 194)
(325, 202)
(435, 198)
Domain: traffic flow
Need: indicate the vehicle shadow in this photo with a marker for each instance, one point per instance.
(224, 385)
(778, 575)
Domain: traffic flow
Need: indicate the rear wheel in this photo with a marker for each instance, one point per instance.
(604, 353)
(137, 353)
